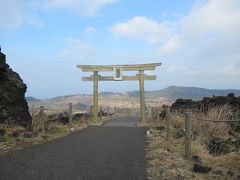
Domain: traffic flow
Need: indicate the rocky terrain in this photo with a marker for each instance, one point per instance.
(13, 106)
(208, 102)
(215, 146)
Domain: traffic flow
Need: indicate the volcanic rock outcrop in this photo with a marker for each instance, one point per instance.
(208, 102)
(13, 106)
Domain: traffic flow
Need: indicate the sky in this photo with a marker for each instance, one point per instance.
(197, 42)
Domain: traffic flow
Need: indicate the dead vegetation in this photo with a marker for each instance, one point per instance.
(55, 126)
(17, 137)
(166, 158)
(208, 130)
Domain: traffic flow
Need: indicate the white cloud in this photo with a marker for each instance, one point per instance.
(184, 70)
(33, 20)
(14, 14)
(76, 49)
(230, 69)
(206, 21)
(218, 16)
(143, 28)
(10, 14)
(90, 31)
(174, 68)
(210, 31)
(171, 45)
(80, 7)
(207, 41)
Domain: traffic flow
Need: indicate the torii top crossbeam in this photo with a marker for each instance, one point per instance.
(126, 67)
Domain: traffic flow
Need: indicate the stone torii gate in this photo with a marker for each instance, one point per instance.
(118, 76)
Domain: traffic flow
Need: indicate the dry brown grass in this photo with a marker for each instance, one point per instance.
(223, 163)
(166, 160)
(208, 130)
(54, 130)
(205, 130)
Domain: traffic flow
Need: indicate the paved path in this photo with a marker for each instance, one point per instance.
(123, 122)
(100, 153)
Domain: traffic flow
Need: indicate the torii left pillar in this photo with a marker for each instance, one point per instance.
(95, 96)
(142, 98)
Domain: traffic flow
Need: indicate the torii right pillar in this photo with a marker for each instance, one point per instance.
(95, 95)
(142, 97)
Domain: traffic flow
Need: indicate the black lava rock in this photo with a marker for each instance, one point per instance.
(28, 134)
(197, 158)
(230, 173)
(180, 133)
(2, 132)
(14, 134)
(159, 128)
(61, 117)
(208, 102)
(219, 172)
(219, 146)
(13, 106)
(80, 116)
(201, 168)
(237, 144)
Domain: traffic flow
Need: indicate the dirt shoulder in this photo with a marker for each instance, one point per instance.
(166, 159)
(17, 137)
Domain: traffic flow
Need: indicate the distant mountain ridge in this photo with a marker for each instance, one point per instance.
(195, 93)
(172, 93)
(32, 99)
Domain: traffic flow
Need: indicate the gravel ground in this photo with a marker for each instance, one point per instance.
(100, 153)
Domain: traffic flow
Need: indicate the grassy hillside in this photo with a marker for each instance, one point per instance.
(195, 93)
(130, 98)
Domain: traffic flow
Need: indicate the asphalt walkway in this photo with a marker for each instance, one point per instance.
(123, 122)
(101, 153)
